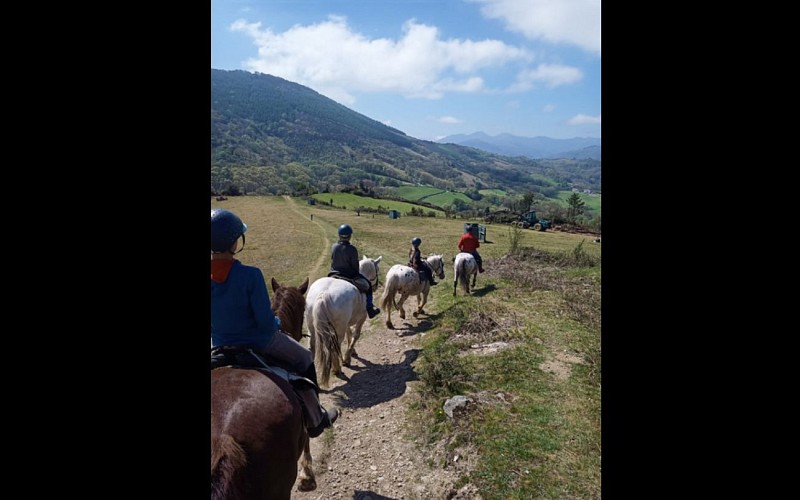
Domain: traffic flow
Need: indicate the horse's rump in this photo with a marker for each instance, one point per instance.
(464, 266)
(335, 311)
(257, 434)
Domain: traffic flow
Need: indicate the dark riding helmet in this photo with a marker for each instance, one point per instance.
(416, 241)
(345, 230)
(226, 228)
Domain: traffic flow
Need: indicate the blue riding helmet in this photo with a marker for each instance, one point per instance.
(345, 230)
(416, 241)
(226, 228)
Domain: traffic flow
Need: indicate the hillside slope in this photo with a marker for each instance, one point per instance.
(272, 136)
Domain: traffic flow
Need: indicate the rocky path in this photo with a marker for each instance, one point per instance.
(369, 455)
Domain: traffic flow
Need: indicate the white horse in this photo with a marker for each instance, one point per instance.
(464, 265)
(335, 313)
(405, 281)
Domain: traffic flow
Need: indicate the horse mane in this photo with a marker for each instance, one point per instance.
(288, 304)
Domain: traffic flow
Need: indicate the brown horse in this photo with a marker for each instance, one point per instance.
(288, 304)
(257, 429)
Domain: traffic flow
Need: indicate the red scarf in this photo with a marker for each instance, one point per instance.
(220, 269)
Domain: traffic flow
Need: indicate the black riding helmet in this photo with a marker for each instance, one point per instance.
(416, 241)
(226, 228)
(345, 231)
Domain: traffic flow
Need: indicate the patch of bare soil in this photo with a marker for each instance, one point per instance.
(370, 453)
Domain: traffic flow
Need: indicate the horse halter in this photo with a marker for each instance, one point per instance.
(440, 272)
(377, 282)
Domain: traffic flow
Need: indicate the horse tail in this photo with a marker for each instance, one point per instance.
(227, 457)
(389, 293)
(327, 349)
(461, 274)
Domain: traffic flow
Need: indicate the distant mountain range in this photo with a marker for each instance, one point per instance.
(578, 148)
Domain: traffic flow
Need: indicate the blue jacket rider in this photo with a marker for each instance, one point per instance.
(241, 316)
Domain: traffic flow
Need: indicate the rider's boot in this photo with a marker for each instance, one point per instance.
(319, 419)
(372, 311)
(298, 356)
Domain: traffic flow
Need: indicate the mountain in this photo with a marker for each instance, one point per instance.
(531, 147)
(273, 136)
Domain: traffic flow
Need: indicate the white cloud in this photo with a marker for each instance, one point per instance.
(449, 119)
(335, 61)
(549, 75)
(549, 108)
(584, 120)
(576, 22)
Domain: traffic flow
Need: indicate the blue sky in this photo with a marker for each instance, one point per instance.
(430, 68)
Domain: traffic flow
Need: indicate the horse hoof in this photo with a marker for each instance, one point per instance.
(389, 325)
(307, 485)
(415, 314)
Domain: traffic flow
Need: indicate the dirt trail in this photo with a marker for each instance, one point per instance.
(323, 262)
(368, 455)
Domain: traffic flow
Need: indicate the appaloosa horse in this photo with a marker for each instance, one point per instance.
(257, 429)
(405, 281)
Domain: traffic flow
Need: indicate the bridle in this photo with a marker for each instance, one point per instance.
(439, 272)
(377, 275)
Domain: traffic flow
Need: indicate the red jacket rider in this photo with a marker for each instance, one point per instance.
(469, 243)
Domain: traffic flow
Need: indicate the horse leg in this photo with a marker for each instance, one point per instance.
(388, 311)
(421, 304)
(474, 277)
(349, 340)
(351, 348)
(307, 480)
(400, 307)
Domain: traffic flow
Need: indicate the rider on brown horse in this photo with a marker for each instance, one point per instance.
(243, 324)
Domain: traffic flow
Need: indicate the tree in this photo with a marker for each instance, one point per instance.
(527, 200)
(576, 207)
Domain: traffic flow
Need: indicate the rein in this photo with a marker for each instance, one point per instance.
(377, 280)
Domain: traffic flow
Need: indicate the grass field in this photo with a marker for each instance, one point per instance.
(351, 202)
(540, 295)
(592, 201)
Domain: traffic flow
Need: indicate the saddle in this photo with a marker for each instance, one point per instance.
(360, 282)
(244, 357)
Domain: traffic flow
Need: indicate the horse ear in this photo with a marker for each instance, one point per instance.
(378, 259)
(275, 285)
(303, 286)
